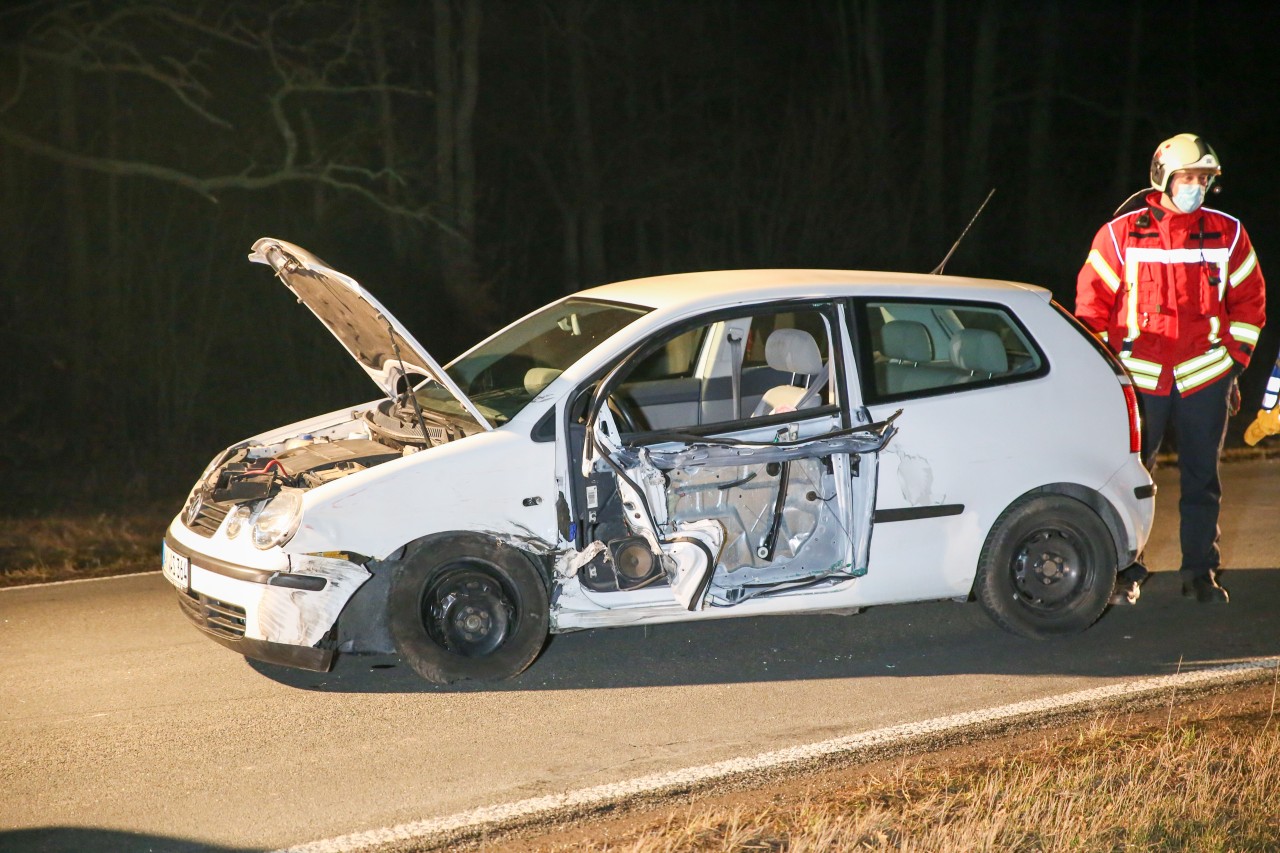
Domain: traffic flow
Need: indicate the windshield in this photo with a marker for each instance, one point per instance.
(503, 374)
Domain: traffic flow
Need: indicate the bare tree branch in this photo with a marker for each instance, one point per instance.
(331, 175)
(326, 71)
(180, 85)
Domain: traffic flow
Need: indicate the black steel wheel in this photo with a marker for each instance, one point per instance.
(468, 610)
(466, 607)
(1047, 568)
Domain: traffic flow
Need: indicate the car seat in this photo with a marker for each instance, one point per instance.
(792, 351)
(980, 352)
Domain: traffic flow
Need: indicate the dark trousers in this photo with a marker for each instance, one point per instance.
(1200, 424)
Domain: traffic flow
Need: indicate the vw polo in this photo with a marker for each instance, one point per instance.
(681, 447)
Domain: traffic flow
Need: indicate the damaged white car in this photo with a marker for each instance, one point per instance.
(680, 447)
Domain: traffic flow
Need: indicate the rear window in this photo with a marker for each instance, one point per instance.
(914, 348)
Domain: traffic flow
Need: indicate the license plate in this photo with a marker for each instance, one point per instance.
(176, 568)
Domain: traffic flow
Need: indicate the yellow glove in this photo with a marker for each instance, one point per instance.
(1266, 423)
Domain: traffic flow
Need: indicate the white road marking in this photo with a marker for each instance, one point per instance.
(602, 794)
(80, 580)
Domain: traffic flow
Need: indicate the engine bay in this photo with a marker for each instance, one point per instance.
(304, 465)
(387, 430)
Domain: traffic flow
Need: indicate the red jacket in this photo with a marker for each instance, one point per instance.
(1178, 296)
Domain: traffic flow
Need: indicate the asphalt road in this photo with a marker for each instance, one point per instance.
(122, 728)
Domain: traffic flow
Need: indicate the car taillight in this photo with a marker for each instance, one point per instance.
(1135, 421)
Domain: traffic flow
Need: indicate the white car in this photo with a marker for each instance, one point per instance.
(681, 447)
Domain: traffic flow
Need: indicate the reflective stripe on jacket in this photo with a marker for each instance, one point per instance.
(1178, 296)
(1271, 394)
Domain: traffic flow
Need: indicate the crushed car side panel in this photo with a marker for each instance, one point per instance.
(721, 521)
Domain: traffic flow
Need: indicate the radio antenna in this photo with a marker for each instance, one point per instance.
(938, 269)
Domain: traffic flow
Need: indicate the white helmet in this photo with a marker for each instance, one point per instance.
(1184, 151)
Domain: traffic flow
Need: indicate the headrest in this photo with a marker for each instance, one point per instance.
(906, 340)
(980, 351)
(537, 378)
(793, 351)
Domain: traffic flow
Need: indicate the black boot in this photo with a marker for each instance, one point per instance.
(1206, 590)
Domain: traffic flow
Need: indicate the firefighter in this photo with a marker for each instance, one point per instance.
(1175, 290)
(1267, 421)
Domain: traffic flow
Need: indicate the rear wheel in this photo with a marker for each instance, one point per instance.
(1047, 568)
(468, 608)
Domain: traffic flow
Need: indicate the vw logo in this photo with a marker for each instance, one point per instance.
(194, 512)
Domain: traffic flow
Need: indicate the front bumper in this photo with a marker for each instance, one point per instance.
(197, 607)
(279, 617)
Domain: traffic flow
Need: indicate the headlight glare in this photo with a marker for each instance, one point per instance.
(278, 519)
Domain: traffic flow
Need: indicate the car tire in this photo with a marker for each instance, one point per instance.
(1047, 568)
(468, 608)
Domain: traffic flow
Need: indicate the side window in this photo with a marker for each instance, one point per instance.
(731, 369)
(676, 359)
(931, 347)
(763, 326)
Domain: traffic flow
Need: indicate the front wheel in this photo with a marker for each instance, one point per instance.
(1047, 568)
(468, 608)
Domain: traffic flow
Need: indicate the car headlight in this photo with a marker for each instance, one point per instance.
(278, 519)
(239, 516)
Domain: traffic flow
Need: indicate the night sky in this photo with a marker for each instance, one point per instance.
(468, 162)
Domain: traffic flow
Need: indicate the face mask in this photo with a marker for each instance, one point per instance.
(1189, 197)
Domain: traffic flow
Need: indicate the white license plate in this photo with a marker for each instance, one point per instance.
(176, 568)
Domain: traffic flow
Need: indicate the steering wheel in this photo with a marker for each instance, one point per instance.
(624, 414)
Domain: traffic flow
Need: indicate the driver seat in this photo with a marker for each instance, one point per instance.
(792, 351)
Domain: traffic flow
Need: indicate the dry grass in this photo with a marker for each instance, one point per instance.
(1203, 785)
(69, 545)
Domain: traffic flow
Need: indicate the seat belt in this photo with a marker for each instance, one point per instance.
(734, 337)
(818, 384)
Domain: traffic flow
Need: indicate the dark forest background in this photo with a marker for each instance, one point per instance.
(470, 160)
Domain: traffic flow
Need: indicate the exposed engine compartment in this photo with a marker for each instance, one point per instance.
(255, 471)
(305, 464)
(382, 432)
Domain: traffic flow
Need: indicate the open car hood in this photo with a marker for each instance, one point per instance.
(375, 338)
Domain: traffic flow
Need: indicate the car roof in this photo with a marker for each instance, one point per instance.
(727, 287)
